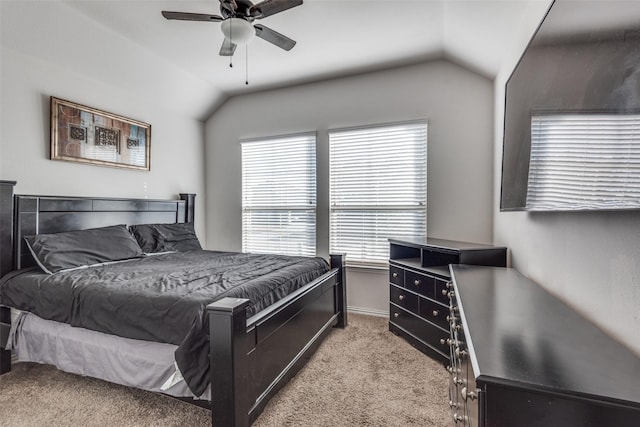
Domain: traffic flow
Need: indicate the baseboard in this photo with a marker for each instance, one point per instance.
(367, 311)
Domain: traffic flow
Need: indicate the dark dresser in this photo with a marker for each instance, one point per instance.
(419, 286)
(522, 357)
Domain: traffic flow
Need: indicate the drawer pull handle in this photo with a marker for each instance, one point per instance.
(417, 282)
(401, 297)
(443, 341)
(445, 292)
(458, 418)
(396, 315)
(395, 274)
(468, 394)
(449, 285)
(435, 313)
(461, 353)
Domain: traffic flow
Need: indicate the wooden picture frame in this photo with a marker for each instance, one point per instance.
(88, 135)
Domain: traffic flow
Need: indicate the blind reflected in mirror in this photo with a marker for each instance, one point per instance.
(584, 162)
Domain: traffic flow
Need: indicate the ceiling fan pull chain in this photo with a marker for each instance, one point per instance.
(231, 43)
(246, 64)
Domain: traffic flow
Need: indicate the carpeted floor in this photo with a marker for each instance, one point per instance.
(361, 376)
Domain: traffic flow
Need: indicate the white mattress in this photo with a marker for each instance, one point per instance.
(135, 363)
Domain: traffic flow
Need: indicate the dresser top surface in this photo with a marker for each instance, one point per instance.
(451, 245)
(520, 334)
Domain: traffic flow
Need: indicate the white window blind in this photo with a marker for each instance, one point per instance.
(279, 195)
(378, 188)
(584, 161)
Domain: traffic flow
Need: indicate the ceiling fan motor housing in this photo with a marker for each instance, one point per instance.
(236, 8)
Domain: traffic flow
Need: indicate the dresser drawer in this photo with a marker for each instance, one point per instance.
(419, 283)
(431, 335)
(442, 291)
(396, 275)
(435, 313)
(404, 299)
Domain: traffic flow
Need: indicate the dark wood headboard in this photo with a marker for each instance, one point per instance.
(52, 214)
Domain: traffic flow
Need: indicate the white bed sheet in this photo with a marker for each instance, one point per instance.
(135, 363)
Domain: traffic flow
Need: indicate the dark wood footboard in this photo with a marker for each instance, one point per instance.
(251, 359)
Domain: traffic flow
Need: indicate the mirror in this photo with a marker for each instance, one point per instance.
(572, 111)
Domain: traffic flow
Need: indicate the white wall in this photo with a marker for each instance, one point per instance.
(588, 259)
(31, 72)
(458, 105)
(58, 33)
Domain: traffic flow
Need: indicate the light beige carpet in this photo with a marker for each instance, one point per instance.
(360, 376)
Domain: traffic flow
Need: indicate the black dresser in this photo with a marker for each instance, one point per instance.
(420, 284)
(522, 357)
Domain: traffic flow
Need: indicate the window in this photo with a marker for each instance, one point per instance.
(279, 195)
(378, 188)
(584, 161)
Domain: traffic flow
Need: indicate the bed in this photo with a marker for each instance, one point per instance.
(252, 346)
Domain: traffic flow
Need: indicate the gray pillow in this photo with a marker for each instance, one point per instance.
(63, 251)
(154, 238)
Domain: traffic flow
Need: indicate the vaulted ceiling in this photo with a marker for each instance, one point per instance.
(130, 44)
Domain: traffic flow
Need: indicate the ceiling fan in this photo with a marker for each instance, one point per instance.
(237, 22)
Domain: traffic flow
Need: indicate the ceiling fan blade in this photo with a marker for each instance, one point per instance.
(185, 16)
(274, 37)
(227, 48)
(271, 7)
(229, 5)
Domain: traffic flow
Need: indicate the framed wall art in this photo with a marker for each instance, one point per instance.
(88, 135)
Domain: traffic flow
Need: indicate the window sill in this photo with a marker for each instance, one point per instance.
(373, 266)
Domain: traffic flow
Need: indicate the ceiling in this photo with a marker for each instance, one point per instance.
(334, 38)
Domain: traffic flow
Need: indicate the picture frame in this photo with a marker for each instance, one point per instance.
(88, 135)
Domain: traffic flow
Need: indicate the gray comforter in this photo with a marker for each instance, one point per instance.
(160, 298)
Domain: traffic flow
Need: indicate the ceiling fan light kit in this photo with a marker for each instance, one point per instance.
(237, 30)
